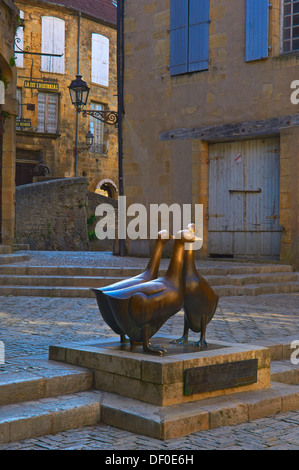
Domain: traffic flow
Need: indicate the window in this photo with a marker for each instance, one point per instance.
(19, 100)
(19, 43)
(53, 39)
(96, 127)
(189, 36)
(99, 59)
(257, 27)
(290, 26)
(47, 120)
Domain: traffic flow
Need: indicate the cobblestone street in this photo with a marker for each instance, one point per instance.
(29, 325)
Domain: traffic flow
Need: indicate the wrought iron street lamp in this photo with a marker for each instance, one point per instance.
(79, 92)
(89, 142)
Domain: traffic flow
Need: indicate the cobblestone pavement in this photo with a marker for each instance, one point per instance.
(280, 432)
(28, 325)
(104, 259)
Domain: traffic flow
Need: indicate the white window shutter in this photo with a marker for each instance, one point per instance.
(53, 42)
(19, 43)
(100, 59)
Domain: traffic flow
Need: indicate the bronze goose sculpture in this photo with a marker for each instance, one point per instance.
(200, 300)
(140, 311)
(151, 272)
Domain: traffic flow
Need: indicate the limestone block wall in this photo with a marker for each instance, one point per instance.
(52, 215)
(175, 170)
(94, 200)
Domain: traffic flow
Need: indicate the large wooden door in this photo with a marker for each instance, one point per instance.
(244, 199)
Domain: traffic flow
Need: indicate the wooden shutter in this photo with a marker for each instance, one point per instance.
(100, 59)
(53, 42)
(178, 36)
(19, 43)
(198, 35)
(257, 26)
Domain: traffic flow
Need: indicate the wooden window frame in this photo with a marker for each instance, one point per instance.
(46, 124)
(292, 50)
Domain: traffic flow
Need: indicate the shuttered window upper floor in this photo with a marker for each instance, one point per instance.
(263, 22)
(100, 59)
(52, 42)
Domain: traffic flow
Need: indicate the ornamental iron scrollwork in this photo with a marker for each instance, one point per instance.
(108, 117)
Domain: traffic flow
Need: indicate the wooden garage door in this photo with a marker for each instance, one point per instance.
(244, 199)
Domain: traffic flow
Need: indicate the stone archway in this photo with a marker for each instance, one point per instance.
(107, 187)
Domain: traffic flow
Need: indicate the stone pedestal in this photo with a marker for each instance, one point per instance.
(185, 374)
(186, 391)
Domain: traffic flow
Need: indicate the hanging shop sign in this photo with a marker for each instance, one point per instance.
(42, 84)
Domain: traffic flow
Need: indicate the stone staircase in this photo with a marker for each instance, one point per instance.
(73, 281)
(46, 399)
(7, 257)
(49, 397)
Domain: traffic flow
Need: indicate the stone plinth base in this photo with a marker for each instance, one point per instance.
(184, 375)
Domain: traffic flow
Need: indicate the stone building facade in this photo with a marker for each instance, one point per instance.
(211, 118)
(8, 111)
(79, 38)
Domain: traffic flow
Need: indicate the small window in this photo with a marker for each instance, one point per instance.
(47, 113)
(290, 26)
(19, 43)
(100, 59)
(19, 100)
(96, 127)
(53, 39)
(189, 36)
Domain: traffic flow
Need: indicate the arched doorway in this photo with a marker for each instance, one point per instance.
(107, 188)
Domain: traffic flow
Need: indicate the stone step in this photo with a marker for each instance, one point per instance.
(13, 258)
(99, 281)
(21, 247)
(58, 281)
(245, 279)
(69, 271)
(41, 378)
(132, 271)
(49, 415)
(284, 371)
(85, 292)
(5, 249)
(257, 289)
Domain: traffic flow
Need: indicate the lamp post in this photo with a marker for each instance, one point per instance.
(79, 92)
(89, 142)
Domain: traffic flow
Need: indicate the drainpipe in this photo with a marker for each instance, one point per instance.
(120, 74)
(77, 114)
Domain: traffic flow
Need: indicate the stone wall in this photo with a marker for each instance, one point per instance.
(95, 244)
(175, 170)
(8, 112)
(52, 215)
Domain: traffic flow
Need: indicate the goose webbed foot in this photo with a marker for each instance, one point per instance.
(124, 339)
(201, 343)
(182, 340)
(156, 350)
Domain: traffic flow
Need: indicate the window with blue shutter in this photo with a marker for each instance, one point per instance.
(189, 36)
(257, 27)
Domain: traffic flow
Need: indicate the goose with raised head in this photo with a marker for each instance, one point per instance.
(200, 300)
(151, 272)
(140, 311)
